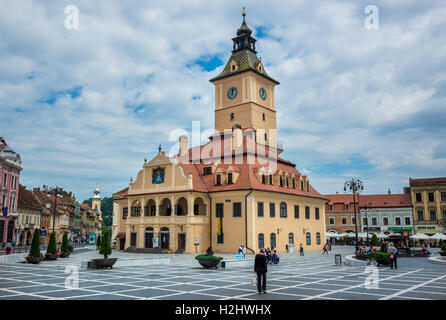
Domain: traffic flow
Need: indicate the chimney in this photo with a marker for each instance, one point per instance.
(389, 191)
(406, 190)
(237, 135)
(184, 146)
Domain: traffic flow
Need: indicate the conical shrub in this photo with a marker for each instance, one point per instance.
(35, 244)
(106, 249)
(64, 247)
(52, 248)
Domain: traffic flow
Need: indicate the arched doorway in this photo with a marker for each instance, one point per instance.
(199, 207)
(148, 238)
(181, 207)
(164, 235)
(165, 207)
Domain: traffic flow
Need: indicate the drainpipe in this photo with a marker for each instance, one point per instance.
(246, 221)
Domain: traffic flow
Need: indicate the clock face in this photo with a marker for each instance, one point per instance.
(262, 93)
(232, 93)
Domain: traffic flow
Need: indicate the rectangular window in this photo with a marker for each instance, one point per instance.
(420, 216)
(443, 197)
(259, 209)
(433, 215)
(344, 220)
(207, 170)
(407, 221)
(218, 179)
(263, 179)
(272, 210)
(444, 215)
(302, 185)
(331, 221)
(418, 197)
(330, 208)
(287, 182)
(307, 212)
(353, 220)
(398, 221)
(386, 221)
(271, 179)
(152, 210)
(296, 212)
(125, 212)
(293, 181)
(346, 207)
(364, 221)
(237, 209)
(230, 178)
(374, 222)
(281, 181)
(5, 180)
(316, 213)
(430, 196)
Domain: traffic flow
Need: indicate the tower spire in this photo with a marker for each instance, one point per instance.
(244, 14)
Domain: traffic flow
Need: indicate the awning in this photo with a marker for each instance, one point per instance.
(120, 235)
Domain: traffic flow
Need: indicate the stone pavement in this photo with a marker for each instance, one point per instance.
(312, 277)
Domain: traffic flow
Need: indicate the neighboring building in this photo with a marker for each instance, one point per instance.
(10, 167)
(387, 213)
(429, 204)
(339, 213)
(233, 190)
(116, 210)
(91, 218)
(29, 216)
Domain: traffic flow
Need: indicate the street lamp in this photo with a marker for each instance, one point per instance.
(57, 192)
(355, 186)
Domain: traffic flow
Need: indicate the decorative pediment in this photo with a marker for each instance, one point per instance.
(159, 160)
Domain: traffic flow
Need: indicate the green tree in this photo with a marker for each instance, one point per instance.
(52, 248)
(374, 240)
(35, 244)
(64, 247)
(98, 241)
(106, 249)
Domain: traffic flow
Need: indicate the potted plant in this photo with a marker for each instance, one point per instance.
(105, 250)
(34, 255)
(51, 251)
(65, 252)
(208, 260)
(443, 249)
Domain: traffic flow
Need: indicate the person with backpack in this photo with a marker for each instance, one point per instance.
(301, 250)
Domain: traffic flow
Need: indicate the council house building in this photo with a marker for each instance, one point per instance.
(234, 190)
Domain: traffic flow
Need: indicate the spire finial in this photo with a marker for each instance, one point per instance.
(159, 148)
(244, 13)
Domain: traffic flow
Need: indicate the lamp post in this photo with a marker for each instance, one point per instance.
(355, 186)
(57, 190)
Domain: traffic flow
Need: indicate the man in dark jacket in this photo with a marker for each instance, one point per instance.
(260, 267)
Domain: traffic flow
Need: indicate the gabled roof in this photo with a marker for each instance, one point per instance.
(27, 199)
(397, 200)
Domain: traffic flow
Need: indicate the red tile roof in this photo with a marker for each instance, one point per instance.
(27, 199)
(426, 181)
(398, 200)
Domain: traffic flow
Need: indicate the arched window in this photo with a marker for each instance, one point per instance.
(283, 211)
(273, 240)
(290, 238)
(318, 238)
(261, 241)
(308, 235)
(232, 116)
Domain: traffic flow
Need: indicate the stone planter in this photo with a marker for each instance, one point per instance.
(65, 254)
(34, 260)
(103, 263)
(209, 263)
(51, 256)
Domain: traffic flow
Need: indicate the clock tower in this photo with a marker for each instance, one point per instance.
(244, 92)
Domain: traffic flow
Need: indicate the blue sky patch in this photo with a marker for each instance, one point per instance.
(209, 63)
(54, 95)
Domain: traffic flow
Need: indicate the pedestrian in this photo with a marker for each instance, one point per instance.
(393, 254)
(324, 250)
(261, 269)
(244, 252)
(301, 250)
(8, 247)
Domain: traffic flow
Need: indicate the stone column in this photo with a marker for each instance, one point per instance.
(190, 205)
(189, 240)
(172, 238)
(127, 236)
(140, 236)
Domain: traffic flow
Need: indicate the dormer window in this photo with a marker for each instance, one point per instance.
(281, 181)
(218, 182)
(230, 178)
(287, 182)
(302, 185)
(232, 116)
(263, 179)
(207, 170)
(293, 182)
(271, 179)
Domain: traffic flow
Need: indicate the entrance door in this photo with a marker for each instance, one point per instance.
(165, 240)
(122, 244)
(181, 241)
(133, 239)
(148, 240)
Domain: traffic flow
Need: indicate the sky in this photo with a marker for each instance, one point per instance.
(358, 97)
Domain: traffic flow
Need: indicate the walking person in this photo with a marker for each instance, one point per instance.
(325, 250)
(393, 254)
(244, 252)
(301, 250)
(261, 269)
(8, 247)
